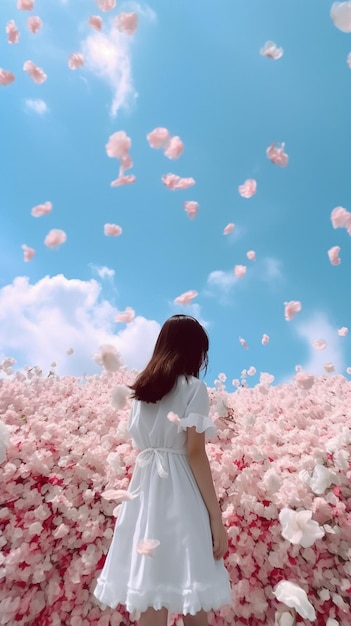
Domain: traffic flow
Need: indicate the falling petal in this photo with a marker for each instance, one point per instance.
(69, 351)
(340, 14)
(126, 23)
(341, 218)
(173, 417)
(125, 316)
(172, 181)
(228, 229)
(348, 60)
(55, 238)
(333, 255)
(12, 32)
(147, 546)
(265, 339)
(291, 308)
(174, 148)
(28, 253)
(240, 271)
(75, 61)
(118, 145)
(158, 138)
(342, 332)
(319, 344)
(271, 51)
(6, 78)
(41, 209)
(192, 208)
(248, 189)
(106, 5)
(304, 380)
(295, 597)
(251, 371)
(123, 180)
(186, 297)
(120, 495)
(348, 370)
(108, 358)
(329, 367)
(251, 255)
(112, 230)
(34, 24)
(25, 5)
(243, 343)
(35, 72)
(95, 21)
(277, 155)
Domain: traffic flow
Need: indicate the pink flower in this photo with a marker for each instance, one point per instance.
(147, 546)
(341, 218)
(248, 189)
(228, 229)
(172, 181)
(125, 316)
(6, 78)
(243, 343)
(42, 209)
(342, 332)
(271, 51)
(106, 5)
(123, 180)
(35, 72)
(55, 238)
(265, 339)
(95, 21)
(186, 297)
(12, 32)
(192, 208)
(112, 230)
(266, 378)
(291, 308)
(240, 270)
(118, 145)
(75, 61)
(251, 371)
(158, 138)
(251, 255)
(25, 5)
(174, 148)
(127, 23)
(34, 24)
(319, 344)
(333, 255)
(28, 253)
(340, 14)
(277, 155)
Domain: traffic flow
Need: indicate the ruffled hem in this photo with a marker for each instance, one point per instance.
(201, 422)
(179, 602)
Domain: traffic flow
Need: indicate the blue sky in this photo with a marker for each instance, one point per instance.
(196, 69)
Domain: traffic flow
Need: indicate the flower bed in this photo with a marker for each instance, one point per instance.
(281, 467)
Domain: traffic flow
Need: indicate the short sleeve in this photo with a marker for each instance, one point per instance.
(197, 410)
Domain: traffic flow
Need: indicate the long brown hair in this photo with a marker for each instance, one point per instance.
(181, 349)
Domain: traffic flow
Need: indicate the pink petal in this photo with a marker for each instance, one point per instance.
(342, 332)
(173, 417)
(35, 72)
(112, 230)
(304, 380)
(25, 5)
(265, 339)
(240, 270)
(125, 316)
(106, 5)
(228, 229)
(271, 51)
(127, 23)
(108, 357)
(348, 370)
(75, 61)
(55, 238)
(192, 208)
(329, 367)
(172, 181)
(340, 14)
(12, 32)
(333, 255)
(251, 255)
(123, 180)
(126, 162)
(174, 148)
(118, 145)
(34, 24)
(158, 137)
(248, 189)
(266, 378)
(6, 78)
(243, 343)
(277, 155)
(341, 218)
(95, 21)
(319, 344)
(120, 495)
(41, 209)
(251, 371)
(28, 253)
(69, 351)
(186, 297)
(147, 546)
(291, 308)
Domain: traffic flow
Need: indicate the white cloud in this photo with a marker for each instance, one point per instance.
(107, 56)
(222, 280)
(40, 322)
(142, 9)
(319, 327)
(38, 106)
(103, 271)
(272, 269)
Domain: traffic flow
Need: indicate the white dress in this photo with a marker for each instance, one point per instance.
(182, 574)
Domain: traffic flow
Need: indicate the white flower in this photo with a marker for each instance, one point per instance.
(293, 596)
(299, 528)
(4, 441)
(320, 480)
(285, 618)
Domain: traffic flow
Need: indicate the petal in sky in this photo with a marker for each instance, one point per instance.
(95, 21)
(12, 32)
(174, 148)
(243, 343)
(106, 5)
(25, 5)
(251, 255)
(340, 14)
(265, 339)
(42, 209)
(35, 72)
(34, 24)
(118, 145)
(123, 180)
(319, 344)
(333, 255)
(112, 230)
(271, 51)
(126, 23)
(28, 253)
(6, 78)
(342, 332)
(341, 218)
(228, 229)
(125, 316)
(186, 297)
(172, 181)
(240, 271)
(291, 308)
(55, 238)
(248, 189)
(75, 61)
(158, 137)
(277, 155)
(192, 208)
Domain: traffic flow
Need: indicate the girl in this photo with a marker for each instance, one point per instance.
(169, 540)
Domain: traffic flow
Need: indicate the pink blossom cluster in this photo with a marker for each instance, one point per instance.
(281, 467)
